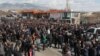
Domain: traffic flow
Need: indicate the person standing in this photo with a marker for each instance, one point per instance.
(60, 40)
(98, 49)
(66, 51)
(92, 51)
(85, 51)
(32, 51)
(44, 40)
(2, 52)
(38, 43)
(49, 37)
(8, 50)
(65, 37)
(77, 49)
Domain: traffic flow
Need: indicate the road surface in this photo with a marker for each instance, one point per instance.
(49, 52)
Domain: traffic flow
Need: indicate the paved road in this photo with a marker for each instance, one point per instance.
(49, 52)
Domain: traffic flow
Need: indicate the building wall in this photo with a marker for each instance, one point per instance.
(56, 15)
(91, 17)
(76, 16)
(93, 20)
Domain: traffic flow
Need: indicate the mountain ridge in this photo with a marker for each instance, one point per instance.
(11, 6)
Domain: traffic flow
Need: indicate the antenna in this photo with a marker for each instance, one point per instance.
(67, 5)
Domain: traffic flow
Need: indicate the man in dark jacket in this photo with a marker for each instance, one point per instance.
(60, 40)
(85, 51)
(92, 51)
(8, 50)
(98, 50)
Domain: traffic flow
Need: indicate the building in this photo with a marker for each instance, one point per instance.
(33, 13)
(61, 15)
(90, 18)
(72, 17)
(54, 14)
(75, 17)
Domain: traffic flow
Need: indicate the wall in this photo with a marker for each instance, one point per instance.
(56, 15)
(76, 16)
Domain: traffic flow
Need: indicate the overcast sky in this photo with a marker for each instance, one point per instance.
(79, 5)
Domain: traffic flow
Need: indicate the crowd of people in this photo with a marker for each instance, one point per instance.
(24, 37)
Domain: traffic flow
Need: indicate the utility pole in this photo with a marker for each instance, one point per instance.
(68, 10)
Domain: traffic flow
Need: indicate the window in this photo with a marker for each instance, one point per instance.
(66, 15)
(98, 31)
(90, 30)
(76, 15)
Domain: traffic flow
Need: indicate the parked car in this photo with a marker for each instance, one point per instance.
(93, 31)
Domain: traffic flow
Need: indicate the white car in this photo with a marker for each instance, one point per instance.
(91, 31)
